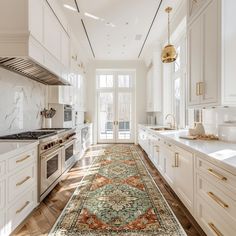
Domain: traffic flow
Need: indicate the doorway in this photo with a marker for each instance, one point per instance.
(115, 101)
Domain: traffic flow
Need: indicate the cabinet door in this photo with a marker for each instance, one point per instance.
(168, 170)
(65, 48)
(149, 90)
(36, 19)
(52, 32)
(211, 54)
(194, 61)
(184, 178)
(229, 52)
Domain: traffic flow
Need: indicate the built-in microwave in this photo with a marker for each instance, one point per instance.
(63, 117)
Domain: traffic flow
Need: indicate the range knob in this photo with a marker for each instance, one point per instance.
(45, 147)
(60, 141)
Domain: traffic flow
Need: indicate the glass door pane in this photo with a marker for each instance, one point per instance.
(124, 112)
(106, 116)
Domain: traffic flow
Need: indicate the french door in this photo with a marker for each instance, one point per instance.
(115, 98)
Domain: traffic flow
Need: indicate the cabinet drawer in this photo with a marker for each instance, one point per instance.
(216, 198)
(222, 179)
(21, 209)
(22, 160)
(2, 168)
(212, 222)
(19, 182)
(2, 193)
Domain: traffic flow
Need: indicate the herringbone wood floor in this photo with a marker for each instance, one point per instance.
(43, 218)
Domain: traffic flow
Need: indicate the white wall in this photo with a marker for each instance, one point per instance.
(140, 105)
(21, 101)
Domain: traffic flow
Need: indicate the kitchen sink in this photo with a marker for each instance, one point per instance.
(162, 129)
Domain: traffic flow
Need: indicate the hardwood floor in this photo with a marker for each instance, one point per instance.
(43, 218)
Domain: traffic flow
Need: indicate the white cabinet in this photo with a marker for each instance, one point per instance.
(211, 49)
(194, 61)
(154, 85)
(184, 169)
(65, 49)
(36, 14)
(34, 33)
(174, 163)
(52, 32)
(60, 95)
(18, 187)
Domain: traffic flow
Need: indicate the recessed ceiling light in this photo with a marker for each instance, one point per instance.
(138, 37)
(110, 24)
(126, 23)
(70, 7)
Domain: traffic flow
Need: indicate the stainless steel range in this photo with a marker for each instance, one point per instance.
(55, 152)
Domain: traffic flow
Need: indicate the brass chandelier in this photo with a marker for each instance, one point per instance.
(168, 53)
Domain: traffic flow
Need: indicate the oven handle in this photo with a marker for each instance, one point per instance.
(69, 143)
(50, 153)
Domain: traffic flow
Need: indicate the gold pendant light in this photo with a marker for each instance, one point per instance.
(168, 53)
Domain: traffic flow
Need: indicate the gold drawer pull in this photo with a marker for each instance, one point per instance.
(218, 200)
(22, 208)
(23, 181)
(176, 165)
(23, 159)
(217, 175)
(213, 227)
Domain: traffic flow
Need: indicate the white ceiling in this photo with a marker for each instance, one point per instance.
(117, 24)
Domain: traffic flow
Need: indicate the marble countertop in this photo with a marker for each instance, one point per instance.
(216, 151)
(9, 148)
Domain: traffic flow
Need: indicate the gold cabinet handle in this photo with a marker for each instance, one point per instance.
(22, 208)
(197, 89)
(217, 175)
(23, 181)
(176, 165)
(23, 159)
(213, 227)
(217, 200)
(201, 88)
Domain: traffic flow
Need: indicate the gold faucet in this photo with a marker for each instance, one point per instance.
(173, 123)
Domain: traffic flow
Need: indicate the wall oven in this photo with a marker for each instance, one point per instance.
(63, 117)
(51, 168)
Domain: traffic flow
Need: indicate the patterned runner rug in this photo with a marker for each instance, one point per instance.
(117, 197)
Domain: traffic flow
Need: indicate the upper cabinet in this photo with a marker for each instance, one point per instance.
(154, 85)
(211, 49)
(35, 33)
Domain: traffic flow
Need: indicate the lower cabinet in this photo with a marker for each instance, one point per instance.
(206, 190)
(18, 188)
(184, 177)
(168, 170)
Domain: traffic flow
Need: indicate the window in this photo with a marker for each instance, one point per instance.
(179, 84)
(105, 81)
(124, 81)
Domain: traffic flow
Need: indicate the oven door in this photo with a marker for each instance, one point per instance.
(68, 158)
(51, 168)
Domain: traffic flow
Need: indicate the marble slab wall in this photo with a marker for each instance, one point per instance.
(21, 100)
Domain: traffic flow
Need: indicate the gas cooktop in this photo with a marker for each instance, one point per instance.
(34, 135)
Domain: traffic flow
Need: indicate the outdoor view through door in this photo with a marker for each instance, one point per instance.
(115, 99)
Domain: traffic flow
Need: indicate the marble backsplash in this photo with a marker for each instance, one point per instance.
(21, 100)
(212, 118)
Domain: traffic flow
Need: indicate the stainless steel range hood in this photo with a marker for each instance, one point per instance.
(28, 68)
